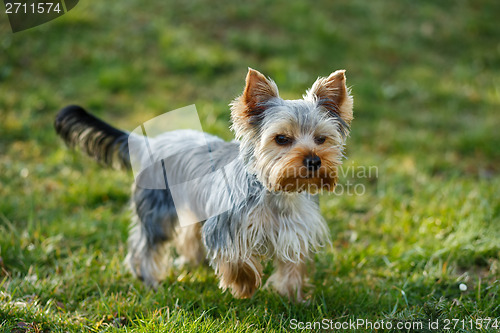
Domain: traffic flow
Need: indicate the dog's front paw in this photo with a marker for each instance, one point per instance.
(286, 287)
(242, 278)
(240, 290)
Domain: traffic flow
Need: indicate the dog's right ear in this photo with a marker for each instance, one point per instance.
(258, 89)
(248, 109)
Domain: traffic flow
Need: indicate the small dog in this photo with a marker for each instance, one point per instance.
(285, 152)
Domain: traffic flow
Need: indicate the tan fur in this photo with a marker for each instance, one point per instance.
(151, 264)
(189, 245)
(287, 237)
(275, 222)
(257, 90)
(154, 266)
(242, 277)
(288, 280)
(291, 175)
(286, 171)
(333, 88)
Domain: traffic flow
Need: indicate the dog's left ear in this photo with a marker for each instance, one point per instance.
(332, 94)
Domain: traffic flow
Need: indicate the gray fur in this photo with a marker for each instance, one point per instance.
(224, 233)
(221, 171)
(187, 177)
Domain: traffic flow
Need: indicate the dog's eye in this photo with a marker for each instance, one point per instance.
(282, 140)
(319, 140)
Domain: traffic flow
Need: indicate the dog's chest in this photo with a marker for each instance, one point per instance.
(284, 227)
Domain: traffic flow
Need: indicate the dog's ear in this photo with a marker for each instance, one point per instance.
(248, 109)
(332, 94)
(258, 89)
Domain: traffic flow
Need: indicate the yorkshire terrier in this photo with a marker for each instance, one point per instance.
(285, 152)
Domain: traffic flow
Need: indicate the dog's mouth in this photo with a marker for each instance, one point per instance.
(312, 175)
(304, 180)
(309, 183)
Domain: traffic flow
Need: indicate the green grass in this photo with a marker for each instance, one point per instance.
(425, 76)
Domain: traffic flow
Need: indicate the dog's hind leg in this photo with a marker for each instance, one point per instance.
(189, 245)
(153, 228)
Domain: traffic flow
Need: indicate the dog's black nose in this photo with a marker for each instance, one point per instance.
(312, 162)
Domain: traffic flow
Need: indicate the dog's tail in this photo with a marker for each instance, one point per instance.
(99, 140)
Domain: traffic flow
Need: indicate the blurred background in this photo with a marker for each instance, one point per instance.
(425, 76)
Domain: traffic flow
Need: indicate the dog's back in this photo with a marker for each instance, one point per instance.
(195, 163)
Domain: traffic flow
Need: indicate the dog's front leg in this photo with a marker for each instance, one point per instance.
(242, 277)
(288, 279)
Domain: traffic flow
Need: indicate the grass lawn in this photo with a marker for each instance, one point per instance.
(425, 76)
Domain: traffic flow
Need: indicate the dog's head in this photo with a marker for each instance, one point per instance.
(293, 145)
